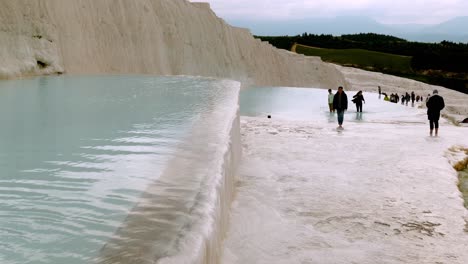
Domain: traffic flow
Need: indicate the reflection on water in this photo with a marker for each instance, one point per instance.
(77, 152)
(358, 116)
(332, 117)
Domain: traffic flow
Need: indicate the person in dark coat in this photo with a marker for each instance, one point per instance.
(358, 99)
(434, 105)
(340, 104)
(407, 98)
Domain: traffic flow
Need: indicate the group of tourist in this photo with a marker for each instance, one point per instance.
(339, 103)
(405, 98)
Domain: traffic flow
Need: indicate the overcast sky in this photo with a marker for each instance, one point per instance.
(384, 11)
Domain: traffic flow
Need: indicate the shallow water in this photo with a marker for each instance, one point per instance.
(311, 195)
(312, 104)
(76, 153)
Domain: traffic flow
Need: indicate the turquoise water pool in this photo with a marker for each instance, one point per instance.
(76, 154)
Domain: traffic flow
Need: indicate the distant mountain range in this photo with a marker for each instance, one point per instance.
(455, 30)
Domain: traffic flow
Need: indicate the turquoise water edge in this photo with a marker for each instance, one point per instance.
(76, 153)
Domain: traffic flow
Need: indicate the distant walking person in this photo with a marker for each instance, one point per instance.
(413, 97)
(407, 98)
(358, 99)
(330, 100)
(380, 91)
(340, 104)
(434, 105)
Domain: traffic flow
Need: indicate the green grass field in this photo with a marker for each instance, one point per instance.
(364, 59)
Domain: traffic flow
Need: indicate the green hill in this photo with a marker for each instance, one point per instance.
(360, 58)
(441, 63)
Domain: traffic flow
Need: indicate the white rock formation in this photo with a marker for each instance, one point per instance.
(166, 37)
(160, 37)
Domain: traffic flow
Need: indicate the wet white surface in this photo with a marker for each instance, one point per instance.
(381, 191)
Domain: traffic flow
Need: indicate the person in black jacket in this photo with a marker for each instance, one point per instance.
(340, 104)
(434, 105)
(358, 99)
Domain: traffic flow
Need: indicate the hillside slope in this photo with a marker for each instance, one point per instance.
(160, 37)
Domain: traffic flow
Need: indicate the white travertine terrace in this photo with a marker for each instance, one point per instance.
(170, 37)
(167, 37)
(158, 37)
(183, 216)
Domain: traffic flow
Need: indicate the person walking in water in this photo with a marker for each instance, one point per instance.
(434, 105)
(407, 98)
(358, 99)
(340, 104)
(330, 100)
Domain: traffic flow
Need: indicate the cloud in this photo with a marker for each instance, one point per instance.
(419, 11)
(387, 11)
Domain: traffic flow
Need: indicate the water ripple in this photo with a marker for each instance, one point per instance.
(76, 154)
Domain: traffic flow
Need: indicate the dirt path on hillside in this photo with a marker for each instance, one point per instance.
(293, 48)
